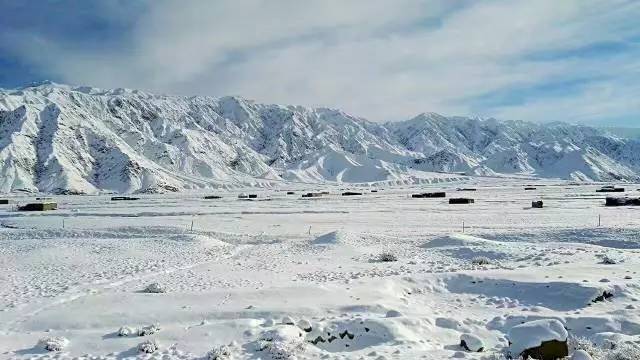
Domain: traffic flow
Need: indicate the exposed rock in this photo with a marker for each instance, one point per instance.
(472, 343)
(544, 339)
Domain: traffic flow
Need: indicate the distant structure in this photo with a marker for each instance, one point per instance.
(461, 201)
(351, 193)
(439, 194)
(212, 197)
(124, 198)
(41, 206)
(537, 204)
(610, 188)
(622, 201)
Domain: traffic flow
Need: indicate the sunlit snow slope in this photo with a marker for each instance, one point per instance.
(62, 139)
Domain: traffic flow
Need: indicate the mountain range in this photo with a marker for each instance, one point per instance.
(63, 139)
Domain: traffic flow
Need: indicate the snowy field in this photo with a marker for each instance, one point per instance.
(234, 271)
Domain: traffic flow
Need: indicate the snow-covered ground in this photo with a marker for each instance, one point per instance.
(234, 271)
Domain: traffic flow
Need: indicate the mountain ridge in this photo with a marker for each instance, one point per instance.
(62, 139)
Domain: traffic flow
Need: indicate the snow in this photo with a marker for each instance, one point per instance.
(533, 333)
(245, 271)
(472, 342)
(62, 139)
(580, 355)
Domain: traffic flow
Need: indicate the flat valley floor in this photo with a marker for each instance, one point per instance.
(237, 272)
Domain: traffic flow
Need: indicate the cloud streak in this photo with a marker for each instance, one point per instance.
(381, 59)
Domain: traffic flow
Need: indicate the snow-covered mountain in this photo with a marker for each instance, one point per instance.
(57, 138)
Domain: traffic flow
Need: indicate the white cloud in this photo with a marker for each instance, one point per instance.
(381, 59)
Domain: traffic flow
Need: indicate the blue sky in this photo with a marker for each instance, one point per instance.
(544, 60)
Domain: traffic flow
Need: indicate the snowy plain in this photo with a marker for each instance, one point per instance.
(237, 272)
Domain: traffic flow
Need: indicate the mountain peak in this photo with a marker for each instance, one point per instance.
(123, 140)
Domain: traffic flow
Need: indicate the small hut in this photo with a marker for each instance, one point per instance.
(312, 195)
(622, 201)
(290, 192)
(529, 188)
(610, 188)
(461, 201)
(537, 204)
(4, 201)
(124, 198)
(41, 206)
(439, 194)
(351, 193)
(212, 197)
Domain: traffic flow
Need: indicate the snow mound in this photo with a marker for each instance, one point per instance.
(533, 333)
(360, 333)
(453, 240)
(333, 238)
(581, 355)
(283, 342)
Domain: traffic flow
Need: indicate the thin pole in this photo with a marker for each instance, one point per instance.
(463, 226)
(191, 225)
(599, 220)
(63, 223)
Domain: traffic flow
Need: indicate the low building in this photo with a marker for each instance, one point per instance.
(610, 188)
(622, 201)
(41, 206)
(461, 201)
(124, 198)
(439, 194)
